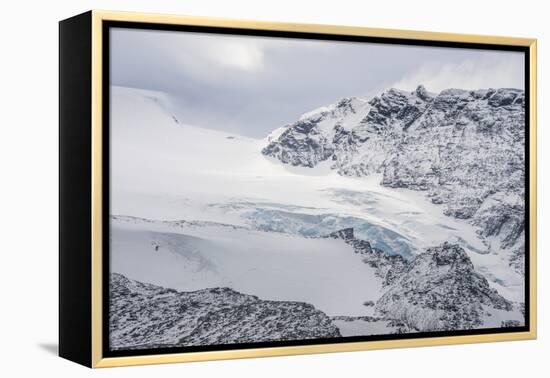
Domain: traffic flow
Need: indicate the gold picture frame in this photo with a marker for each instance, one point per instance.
(90, 329)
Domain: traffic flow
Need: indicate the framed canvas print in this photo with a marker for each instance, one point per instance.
(236, 189)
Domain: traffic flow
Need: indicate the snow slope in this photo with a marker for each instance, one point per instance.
(273, 266)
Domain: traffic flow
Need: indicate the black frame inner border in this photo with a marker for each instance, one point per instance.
(108, 25)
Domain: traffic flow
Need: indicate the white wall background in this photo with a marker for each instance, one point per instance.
(28, 211)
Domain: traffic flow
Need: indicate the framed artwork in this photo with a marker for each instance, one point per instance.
(235, 189)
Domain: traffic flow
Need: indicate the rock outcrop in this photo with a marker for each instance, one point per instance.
(144, 316)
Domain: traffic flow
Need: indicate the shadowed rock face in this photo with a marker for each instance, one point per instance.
(464, 149)
(147, 316)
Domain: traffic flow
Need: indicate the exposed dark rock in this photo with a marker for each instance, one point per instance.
(345, 234)
(440, 290)
(510, 324)
(148, 316)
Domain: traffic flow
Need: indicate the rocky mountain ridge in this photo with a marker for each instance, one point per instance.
(146, 316)
(464, 149)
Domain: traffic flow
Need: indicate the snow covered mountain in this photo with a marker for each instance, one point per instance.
(326, 128)
(463, 149)
(339, 210)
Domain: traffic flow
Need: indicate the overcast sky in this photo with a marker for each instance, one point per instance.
(252, 85)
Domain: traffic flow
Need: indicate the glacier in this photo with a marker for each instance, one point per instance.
(195, 209)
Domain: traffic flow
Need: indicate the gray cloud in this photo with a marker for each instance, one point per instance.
(251, 85)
